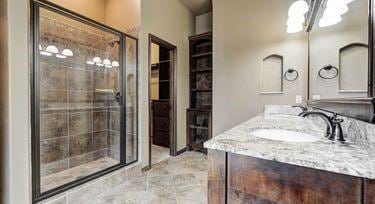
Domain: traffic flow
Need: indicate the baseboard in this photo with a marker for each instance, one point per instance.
(181, 151)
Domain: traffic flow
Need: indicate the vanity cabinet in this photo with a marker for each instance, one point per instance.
(234, 178)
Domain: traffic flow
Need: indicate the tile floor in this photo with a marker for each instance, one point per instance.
(57, 179)
(159, 153)
(176, 180)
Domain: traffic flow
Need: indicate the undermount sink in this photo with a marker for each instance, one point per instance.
(284, 135)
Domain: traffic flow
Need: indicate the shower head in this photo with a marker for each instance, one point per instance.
(112, 43)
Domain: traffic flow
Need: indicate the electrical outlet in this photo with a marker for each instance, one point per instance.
(298, 99)
(316, 97)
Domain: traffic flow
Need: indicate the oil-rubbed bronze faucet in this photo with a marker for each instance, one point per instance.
(334, 130)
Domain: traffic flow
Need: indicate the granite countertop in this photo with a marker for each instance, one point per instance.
(324, 154)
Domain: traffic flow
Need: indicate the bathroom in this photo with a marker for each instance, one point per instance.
(265, 101)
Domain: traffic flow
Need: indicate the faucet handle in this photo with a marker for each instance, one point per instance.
(337, 129)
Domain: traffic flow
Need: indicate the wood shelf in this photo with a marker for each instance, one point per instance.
(201, 90)
(200, 109)
(202, 70)
(202, 54)
(198, 127)
(163, 81)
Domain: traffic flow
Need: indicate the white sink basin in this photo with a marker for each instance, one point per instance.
(284, 135)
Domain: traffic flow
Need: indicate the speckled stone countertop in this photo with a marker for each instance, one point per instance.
(323, 154)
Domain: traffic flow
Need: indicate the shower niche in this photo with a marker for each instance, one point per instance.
(85, 100)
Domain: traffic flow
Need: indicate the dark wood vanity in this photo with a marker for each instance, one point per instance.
(234, 178)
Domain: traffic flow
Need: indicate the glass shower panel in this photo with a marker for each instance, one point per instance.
(79, 81)
(131, 99)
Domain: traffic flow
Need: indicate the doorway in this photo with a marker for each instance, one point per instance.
(162, 100)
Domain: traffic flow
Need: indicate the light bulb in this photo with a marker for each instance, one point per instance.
(115, 64)
(44, 53)
(52, 49)
(40, 47)
(99, 64)
(106, 62)
(338, 9)
(348, 1)
(108, 66)
(299, 7)
(335, 3)
(329, 20)
(60, 56)
(67, 52)
(90, 62)
(296, 20)
(97, 60)
(294, 28)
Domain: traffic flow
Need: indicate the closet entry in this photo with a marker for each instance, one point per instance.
(162, 100)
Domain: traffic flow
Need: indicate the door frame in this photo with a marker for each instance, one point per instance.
(173, 96)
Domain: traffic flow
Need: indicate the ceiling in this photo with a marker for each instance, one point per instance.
(198, 7)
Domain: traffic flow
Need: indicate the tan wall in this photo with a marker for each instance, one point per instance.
(94, 9)
(172, 22)
(15, 105)
(238, 53)
(123, 14)
(4, 106)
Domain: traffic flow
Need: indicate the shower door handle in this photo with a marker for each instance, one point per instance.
(118, 97)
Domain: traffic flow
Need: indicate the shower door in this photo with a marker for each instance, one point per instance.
(84, 95)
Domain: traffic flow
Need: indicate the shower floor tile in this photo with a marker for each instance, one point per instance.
(57, 179)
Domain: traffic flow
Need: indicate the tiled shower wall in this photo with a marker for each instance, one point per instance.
(80, 120)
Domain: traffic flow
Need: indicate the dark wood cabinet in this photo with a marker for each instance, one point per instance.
(200, 111)
(234, 178)
(161, 122)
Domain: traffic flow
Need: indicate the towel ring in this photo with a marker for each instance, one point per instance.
(328, 68)
(289, 72)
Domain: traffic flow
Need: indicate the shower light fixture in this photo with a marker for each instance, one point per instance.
(333, 11)
(299, 7)
(99, 64)
(52, 49)
(44, 53)
(67, 52)
(115, 64)
(296, 16)
(61, 56)
(294, 28)
(106, 62)
(90, 62)
(328, 20)
(97, 60)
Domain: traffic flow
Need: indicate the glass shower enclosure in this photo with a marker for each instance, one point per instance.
(84, 100)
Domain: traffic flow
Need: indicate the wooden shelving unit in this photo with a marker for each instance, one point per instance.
(200, 112)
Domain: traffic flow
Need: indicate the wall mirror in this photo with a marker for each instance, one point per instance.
(338, 50)
(340, 57)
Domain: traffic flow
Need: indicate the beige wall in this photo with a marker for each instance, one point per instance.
(15, 109)
(123, 14)
(172, 22)
(203, 23)
(245, 33)
(94, 9)
(325, 45)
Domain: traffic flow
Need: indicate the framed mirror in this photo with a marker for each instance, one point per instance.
(341, 57)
